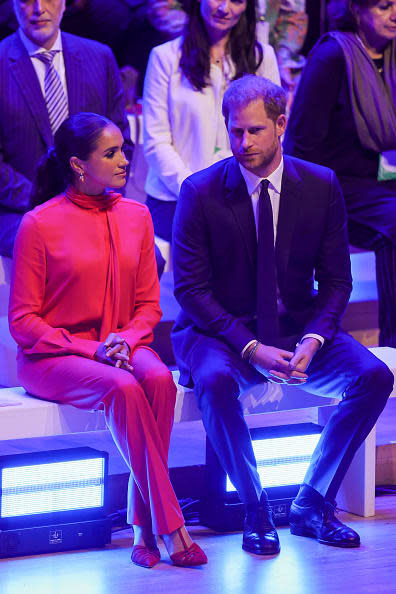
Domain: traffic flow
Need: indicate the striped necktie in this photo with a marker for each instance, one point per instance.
(267, 309)
(55, 97)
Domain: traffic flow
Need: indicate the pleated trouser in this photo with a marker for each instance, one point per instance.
(342, 369)
(139, 411)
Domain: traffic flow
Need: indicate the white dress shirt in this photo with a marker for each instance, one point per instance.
(39, 66)
(253, 184)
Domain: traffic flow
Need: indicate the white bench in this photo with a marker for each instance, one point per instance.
(23, 416)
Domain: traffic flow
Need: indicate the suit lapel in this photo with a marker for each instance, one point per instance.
(289, 201)
(74, 75)
(238, 199)
(22, 69)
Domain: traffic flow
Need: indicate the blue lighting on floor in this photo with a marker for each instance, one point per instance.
(282, 461)
(52, 487)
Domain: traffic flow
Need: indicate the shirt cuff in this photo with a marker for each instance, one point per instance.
(246, 347)
(311, 335)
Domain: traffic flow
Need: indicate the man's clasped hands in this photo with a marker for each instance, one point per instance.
(285, 367)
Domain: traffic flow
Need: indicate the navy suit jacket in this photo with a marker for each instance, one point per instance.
(214, 251)
(93, 84)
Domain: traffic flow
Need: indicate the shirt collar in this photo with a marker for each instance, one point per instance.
(32, 48)
(252, 180)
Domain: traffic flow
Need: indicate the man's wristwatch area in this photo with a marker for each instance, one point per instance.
(250, 350)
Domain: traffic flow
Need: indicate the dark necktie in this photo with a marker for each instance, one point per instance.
(55, 97)
(267, 309)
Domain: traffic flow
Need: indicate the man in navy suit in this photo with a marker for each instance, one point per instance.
(250, 234)
(90, 80)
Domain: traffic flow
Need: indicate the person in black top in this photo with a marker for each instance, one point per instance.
(344, 117)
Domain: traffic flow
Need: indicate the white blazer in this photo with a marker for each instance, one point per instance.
(184, 129)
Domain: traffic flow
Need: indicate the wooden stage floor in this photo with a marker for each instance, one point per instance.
(303, 566)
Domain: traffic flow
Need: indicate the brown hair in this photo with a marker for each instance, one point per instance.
(246, 53)
(342, 13)
(252, 88)
(78, 136)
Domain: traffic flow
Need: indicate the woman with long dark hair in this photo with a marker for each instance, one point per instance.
(184, 129)
(344, 117)
(84, 301)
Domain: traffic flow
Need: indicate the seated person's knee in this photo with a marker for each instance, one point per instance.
(216, 388)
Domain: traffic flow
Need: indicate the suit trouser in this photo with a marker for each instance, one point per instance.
(342, 369)
(162, 212)
(385, 263)
(9, 225)
(139, 411)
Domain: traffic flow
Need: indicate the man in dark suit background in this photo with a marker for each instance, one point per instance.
(245, 253)
(7, 18)
(90, 81)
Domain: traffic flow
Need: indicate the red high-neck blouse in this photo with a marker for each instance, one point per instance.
(83, 267)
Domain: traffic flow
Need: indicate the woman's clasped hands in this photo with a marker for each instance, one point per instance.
(114, 351)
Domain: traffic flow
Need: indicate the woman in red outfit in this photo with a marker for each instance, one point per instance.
(84, 302)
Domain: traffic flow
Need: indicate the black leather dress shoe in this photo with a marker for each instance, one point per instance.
(321, 523)
(259, 534)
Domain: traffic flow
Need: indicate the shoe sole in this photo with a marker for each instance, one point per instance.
(344, 545)
(256, 552)
(144, 564)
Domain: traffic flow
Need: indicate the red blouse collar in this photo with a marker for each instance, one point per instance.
(102, 202)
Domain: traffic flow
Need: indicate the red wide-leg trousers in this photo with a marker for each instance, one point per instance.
(139, 410)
